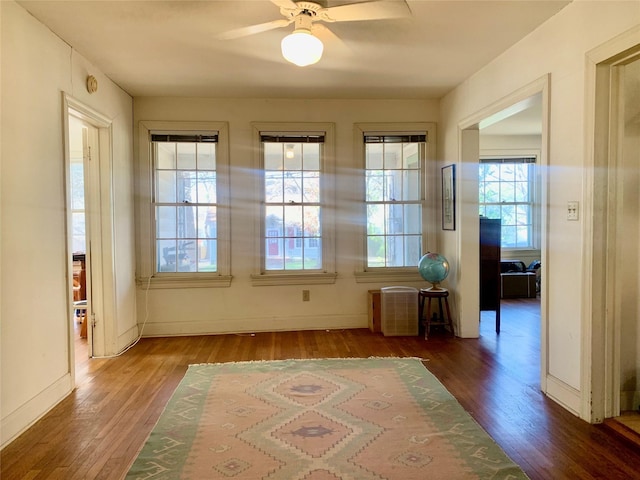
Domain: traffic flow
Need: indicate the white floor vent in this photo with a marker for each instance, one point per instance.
(399, 311)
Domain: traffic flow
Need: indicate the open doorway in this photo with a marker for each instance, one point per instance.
(79, 152)
(509, 185)
(528, 105)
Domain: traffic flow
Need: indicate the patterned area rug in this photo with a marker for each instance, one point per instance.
(334, 419)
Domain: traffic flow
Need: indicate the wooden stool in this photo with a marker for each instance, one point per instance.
(430, 294)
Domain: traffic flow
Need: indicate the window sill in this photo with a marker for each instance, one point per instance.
(388, 276)
(185, 281)
(267, 279)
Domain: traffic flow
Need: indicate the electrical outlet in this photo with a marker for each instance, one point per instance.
(572, 210)
(306, 295)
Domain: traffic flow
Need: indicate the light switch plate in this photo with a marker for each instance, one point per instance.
(572, 210)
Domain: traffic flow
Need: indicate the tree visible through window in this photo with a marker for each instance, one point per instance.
(506, 191)
(293, 204)
(394, 199)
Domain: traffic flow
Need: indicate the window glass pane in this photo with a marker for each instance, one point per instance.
(411, 156)
(166, 251)
(411, 186)
(293, 220)
(507, 192)
(312, 221)
(186, 182)
(292, 254)
(273, 186)
(375, 185)
(166, 222)
(412, 250)
(311, 191)
(186, 222)
(492, 192)
(392, 185)
(77, 185)
(492, 173)
(293, 156)
(165, 156)
(206, 187)
(311, 156)
(375, 219)
(208, 258)
(207, 222)
(273, 156)
(293, 187)
(313, 254)
(166, 186)
(186, 152)
(274, 253)
(508, 215)
(508, 236)
(375, 251)
(394, 218)
(492, 211)
(395, 251)
(78, 232)
(392, 155)
(412, 219)
(521, 191)
(374, 152)
(187, 256)
(206, 156)
(507, 173)
(274, 221)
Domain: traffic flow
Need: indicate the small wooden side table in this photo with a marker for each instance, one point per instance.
(429, 294)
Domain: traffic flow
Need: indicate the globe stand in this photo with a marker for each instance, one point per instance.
(435, 287)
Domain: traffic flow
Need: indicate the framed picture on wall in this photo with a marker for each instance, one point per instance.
(449, 197)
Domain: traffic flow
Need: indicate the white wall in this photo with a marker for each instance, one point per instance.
(36, 68)
(243, 307)
(558, 47)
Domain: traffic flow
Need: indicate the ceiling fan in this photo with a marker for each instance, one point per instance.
(304, 48)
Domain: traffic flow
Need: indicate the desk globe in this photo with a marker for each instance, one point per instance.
(434, 268)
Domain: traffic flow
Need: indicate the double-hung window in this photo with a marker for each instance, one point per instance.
(395, 199)
(189, 224)
(507, 191)
(295, 219)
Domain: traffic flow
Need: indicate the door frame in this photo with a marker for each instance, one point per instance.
(99, 230)
(600, 360)
(469, 148)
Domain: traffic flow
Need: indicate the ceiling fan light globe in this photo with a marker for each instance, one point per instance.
(302, 48)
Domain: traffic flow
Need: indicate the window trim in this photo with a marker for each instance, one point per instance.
(536, 220)
(146, 238)
(430, 179)
(327, 275)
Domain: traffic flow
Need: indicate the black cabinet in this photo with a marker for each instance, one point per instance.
(490, 267)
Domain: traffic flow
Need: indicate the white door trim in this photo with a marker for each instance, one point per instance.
(101, 327)
(600, 362)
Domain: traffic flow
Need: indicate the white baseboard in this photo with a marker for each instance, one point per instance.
(259, 324)
(30, 412)
(564, 394)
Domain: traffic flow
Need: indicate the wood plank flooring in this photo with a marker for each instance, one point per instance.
(96, 432)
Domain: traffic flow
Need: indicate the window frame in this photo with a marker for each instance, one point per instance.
(327, 274)
(429, 186)
(148, 275)
(534, 188)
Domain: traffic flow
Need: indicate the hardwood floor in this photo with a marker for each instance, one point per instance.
(96, 432)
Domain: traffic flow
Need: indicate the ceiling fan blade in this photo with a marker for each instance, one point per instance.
(376, 10)
(253, 29)
(290, 4)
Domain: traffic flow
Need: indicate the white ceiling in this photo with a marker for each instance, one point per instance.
(171, 48)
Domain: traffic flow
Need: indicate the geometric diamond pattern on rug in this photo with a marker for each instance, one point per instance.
(312, 433)
(306, 389)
